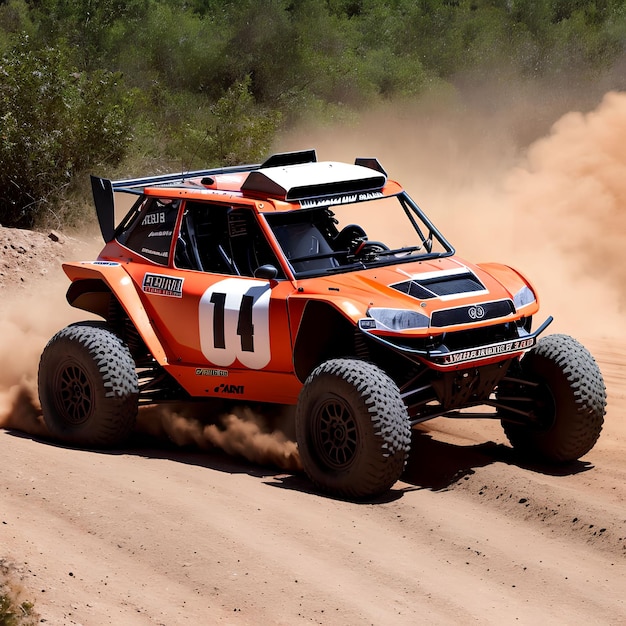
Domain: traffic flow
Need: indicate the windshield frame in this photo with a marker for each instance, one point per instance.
(329, 260)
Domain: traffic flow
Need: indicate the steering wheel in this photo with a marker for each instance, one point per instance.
(366, 248)
(349, 238)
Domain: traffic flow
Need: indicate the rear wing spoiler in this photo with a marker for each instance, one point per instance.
(104, 190)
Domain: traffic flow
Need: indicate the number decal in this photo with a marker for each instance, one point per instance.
(245, 325)
(219, 300)
(234, 323)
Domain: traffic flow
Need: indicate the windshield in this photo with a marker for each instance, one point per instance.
(346, 237)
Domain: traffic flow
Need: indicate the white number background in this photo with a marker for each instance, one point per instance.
(235, 289)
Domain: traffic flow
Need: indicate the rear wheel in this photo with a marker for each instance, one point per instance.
(352, 429)
(562, 391)
(88, 386)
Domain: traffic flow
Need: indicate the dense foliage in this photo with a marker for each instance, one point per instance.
(55, 122)
(99, 84)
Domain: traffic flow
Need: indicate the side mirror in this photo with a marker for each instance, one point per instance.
(267, 272)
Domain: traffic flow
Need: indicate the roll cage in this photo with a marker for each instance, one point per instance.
(302, 210)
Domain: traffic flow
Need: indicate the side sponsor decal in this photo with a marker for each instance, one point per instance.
(154, 218)
(237, 389)
(160, 233)
(207, 371)
(235, 324)
(161, 285)
(164, 253)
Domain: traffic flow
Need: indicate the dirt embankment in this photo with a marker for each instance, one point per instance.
(26, 256)
(160, 534)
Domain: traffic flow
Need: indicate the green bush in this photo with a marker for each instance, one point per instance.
(233, 130)
(55, 122)
(16, 615)
(15, 19)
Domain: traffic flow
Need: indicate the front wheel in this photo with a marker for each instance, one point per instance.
(561, 390)
(352, 429)
(88, 386)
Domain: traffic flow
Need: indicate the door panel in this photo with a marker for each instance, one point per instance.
(206, 319)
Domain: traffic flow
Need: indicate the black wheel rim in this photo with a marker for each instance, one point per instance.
(335, 434)
(74, 394)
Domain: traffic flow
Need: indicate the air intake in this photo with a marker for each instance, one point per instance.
(312, 180)
(440, 286)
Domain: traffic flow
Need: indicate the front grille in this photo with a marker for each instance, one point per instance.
(473, 313)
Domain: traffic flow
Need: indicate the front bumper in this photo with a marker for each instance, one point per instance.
(443, 358)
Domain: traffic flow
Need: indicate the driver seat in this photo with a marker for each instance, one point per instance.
(300, 240)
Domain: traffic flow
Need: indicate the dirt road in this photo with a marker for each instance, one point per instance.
(160, 534)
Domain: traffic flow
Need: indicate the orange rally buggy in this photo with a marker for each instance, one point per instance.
(316, 284)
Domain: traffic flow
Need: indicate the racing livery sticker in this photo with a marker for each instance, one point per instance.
(238, 389)
(349, 199)
(161, 285)
(149, 252)
(160, 233)
(476, 354)
(154, 218)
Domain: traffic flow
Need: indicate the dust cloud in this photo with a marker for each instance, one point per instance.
(552, 206)
(256, 435)
(27, 321)
(32, 309)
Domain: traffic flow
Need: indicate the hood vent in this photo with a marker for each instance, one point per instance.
(440, 286)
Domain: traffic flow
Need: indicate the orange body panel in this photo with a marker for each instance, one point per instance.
(186, 322)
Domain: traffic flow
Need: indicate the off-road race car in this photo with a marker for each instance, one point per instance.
(316, 284)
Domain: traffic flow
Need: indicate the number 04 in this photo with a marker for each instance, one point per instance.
(234, 323)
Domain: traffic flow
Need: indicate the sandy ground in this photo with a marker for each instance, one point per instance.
(163, 534)
(158, 535)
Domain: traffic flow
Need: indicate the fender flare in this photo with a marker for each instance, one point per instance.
(92, 279)
(324, 331)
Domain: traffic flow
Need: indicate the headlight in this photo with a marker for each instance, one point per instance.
(523, 297)
(398, 319)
